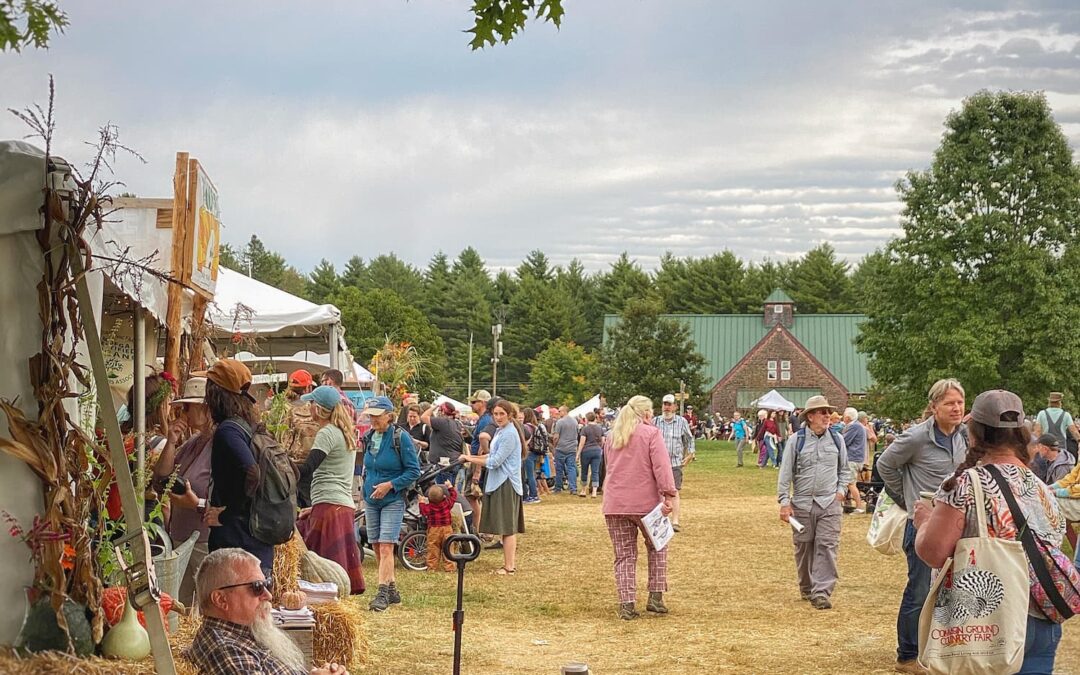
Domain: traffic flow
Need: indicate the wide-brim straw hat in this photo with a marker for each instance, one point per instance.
(817, 403)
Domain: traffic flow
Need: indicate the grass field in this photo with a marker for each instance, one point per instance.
(733, 598)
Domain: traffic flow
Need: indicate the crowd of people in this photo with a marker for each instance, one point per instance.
(504, 457)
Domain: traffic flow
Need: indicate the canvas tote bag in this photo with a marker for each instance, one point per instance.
(1070, 508)
(886, 533)
(974, 620)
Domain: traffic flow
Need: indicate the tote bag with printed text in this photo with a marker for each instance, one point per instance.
(974, 621)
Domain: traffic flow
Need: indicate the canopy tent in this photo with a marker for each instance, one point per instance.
(587, 407)
(462, 408)
(277, 368)
(274, 312)
(773, 401)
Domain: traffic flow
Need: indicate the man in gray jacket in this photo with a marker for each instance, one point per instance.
(812, 484)
(918, 461)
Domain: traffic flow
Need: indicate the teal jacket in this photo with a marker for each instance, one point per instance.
(382, 464)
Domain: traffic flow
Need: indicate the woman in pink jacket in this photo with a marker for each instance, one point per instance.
(638, 478)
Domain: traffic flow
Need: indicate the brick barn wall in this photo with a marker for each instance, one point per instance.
(753, 374)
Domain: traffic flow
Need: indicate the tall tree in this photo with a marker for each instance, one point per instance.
(229, 257)
(820, 284)
(586, 316)
(537, 266)
(623, 282)
(648, 354)
(562, 374)
(356, 273)
(324, 282)
(270, 268)
(394, 274)
(536, 316)
(985, 283)
(710, 285)
(472, 318)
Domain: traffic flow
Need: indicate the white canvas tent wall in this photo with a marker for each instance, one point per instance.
(310, 361)
(462, 408)
(586, 407)
(281, 321)
(22, 176)
(773, 401)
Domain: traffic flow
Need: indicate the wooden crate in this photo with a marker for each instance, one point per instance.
(303, 638)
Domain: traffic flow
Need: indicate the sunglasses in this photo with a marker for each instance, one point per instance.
(256, 587)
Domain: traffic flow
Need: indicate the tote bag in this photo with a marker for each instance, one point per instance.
(974, 621)
(886, 533)
(1070, 508)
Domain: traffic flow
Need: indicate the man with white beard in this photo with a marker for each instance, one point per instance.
(238, 635)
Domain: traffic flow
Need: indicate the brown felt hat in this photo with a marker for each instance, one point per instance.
(817, 403)
(231, 375)
(1055, 397)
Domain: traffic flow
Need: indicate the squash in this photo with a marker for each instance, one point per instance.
(317, 569)
(114, 599)
(293, 599)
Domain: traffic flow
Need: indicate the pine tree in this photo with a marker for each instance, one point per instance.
(356, 273)
(324, 282)
(623, 282)
(586, 316)
(820, 283)
(391, 273)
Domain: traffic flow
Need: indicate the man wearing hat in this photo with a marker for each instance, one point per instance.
(1050, 463)
(679, 440)
(480, 402)
(813, 481)
(919, 461)
(1057, 422)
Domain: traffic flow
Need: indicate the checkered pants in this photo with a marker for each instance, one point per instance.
(623, 531)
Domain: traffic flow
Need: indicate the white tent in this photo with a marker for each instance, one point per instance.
(773, 401)
(586, 407)
(283, 365)
(275, 313)
(461, 407)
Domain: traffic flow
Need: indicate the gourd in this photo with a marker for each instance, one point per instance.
(127, 639)
(114, 599)
(317, 569)
(293, 599)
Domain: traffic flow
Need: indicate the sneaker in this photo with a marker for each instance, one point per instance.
(583, 495)
(656, 603)
(627, 612)
(392, 594)
(910, 666)
(675, 526)
(820, 602)
(381, 600)
(804, 596)
(493, 547)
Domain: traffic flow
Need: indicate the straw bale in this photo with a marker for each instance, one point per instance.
(340, 634)
(286, 569)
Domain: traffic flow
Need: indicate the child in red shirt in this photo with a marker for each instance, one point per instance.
(436, 509)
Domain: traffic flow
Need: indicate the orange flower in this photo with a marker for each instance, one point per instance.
(68, 559)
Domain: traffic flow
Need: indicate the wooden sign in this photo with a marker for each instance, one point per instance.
(203, 233)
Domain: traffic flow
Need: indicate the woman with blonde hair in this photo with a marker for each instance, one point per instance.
(327, 526)
(638, 478)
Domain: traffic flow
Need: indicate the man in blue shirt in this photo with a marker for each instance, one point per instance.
(855, 440)
(479, 446)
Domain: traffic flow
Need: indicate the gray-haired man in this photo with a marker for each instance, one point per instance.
(811, 487)
(918, 461)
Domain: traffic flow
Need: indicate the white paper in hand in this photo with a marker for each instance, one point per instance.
(658, 527)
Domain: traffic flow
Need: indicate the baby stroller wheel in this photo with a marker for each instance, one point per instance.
(412, 551)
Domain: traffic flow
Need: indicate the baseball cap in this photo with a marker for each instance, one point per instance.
(999, 409)
(378, 406)
(194, 391)
(1050, 441)
(300, 378)
(229, 374)
(325, 397)
(668, 398)
(482, 395)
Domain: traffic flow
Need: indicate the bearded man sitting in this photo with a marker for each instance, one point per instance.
(238, 635)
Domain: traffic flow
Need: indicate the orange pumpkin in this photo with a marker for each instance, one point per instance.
(113, 601)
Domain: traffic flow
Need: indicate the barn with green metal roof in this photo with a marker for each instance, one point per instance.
(800, 356)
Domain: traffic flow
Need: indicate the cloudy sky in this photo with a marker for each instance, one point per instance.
(642, 125)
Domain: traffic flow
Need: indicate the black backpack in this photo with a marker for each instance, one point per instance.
(538, 444)
(273, 500)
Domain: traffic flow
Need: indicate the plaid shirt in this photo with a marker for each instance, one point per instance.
(677, 437)
(439, 514)
(225, 648)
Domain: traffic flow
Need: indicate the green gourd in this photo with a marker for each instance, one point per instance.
(127, 640)
(317, 569)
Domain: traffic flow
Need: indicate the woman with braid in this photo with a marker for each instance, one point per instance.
(998, 451)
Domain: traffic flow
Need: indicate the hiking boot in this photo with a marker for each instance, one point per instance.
(820, 602)
(656, 603)
(627, 611)
(392, 594)
(910, 666)
(381, 600)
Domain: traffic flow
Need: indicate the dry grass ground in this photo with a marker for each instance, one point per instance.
(733, 598)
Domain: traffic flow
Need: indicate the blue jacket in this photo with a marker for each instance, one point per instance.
(384, 464)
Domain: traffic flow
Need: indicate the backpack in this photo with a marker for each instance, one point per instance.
(538, 444)
(800, 442)
(395, 442)
(273, 500)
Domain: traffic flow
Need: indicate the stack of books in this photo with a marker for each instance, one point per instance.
(327, 591)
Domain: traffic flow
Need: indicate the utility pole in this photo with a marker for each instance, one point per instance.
(682, 396)
(496, 352)
(469, 391)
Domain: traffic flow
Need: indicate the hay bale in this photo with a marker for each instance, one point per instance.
(340, 635)
(286, 569)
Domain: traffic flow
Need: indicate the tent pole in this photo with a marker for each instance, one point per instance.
(139, 399)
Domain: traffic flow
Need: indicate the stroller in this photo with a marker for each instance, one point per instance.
(412, 542)
(871, 489)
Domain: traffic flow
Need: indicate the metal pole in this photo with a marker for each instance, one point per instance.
(335, 355)
(139, 398)
(495, 331)
(682, 396)
(469, 392)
